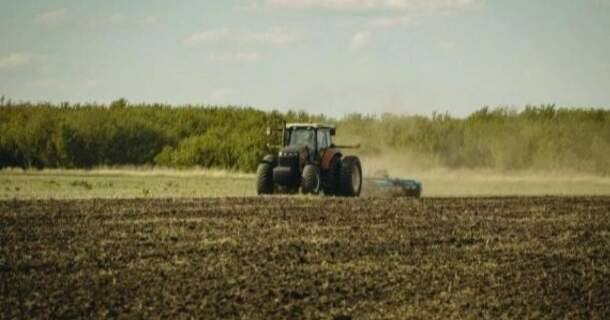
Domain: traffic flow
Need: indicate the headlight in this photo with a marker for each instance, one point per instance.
(288, 154)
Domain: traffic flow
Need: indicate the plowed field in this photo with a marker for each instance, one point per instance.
(276, 258)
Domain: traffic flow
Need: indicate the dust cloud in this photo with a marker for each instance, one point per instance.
(441, 181)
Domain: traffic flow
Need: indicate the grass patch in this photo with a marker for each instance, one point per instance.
(170, 183)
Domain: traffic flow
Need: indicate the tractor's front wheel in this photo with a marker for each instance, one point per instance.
(311, 182)
(351, 176)
(264, 179)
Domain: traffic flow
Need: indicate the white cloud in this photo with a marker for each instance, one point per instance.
(328, 4)
(52, 17)
(15, 60)
(390, 21)
(275, 36)
(234, 57)
(371, 4)
(206, 37)
(272, 37)
(360, 41)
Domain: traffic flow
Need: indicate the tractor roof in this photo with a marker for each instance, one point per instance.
(310, 125)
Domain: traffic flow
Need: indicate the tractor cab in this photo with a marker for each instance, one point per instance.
(310, 140)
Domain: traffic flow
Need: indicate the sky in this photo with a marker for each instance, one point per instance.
(323, 56)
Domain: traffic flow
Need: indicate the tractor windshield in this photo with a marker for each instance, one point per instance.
(303, 137)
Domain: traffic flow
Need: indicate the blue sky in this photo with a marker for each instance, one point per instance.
(322, 56)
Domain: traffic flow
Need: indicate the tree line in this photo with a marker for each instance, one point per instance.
(44, 135)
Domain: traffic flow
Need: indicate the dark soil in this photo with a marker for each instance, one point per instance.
(277, 258)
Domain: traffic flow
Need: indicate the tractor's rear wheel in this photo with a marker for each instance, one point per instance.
(310, 182)
(264, 179)
(351, 177)
(331, 180)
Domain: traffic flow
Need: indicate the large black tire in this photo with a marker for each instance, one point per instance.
(271, 159)
(331, 180)
(264, 179)
(310, 182)
(351, 177)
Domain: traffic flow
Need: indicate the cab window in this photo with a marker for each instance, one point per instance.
(302, 136)
(323, 138)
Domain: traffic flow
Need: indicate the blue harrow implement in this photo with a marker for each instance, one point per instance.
(405, 187)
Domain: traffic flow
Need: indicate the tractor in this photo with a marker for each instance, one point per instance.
(309, 161)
